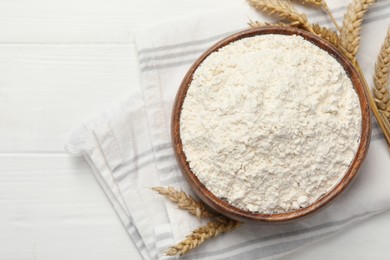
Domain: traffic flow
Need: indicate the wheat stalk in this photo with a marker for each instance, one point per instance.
(352, 25)
(184, 201)
(283, 9)
(382, 78)
(325, 33)
(325, 7)
(200, 235)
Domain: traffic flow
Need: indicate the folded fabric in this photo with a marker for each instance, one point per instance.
(129, 147)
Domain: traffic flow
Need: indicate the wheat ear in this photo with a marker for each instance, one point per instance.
(352, 25)
(283, 9)
(184, 201)
(256, 24)
(200, 235)
(325, 7)
(312, 2)
(327, 34)
(386, 124)
(381, 78)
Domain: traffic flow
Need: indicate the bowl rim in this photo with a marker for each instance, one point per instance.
(224, 207)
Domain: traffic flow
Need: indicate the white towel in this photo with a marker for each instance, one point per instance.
(129, 147)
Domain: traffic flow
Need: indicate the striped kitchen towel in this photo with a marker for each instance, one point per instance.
(129, 147)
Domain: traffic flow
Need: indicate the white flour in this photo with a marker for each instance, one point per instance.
(270, 123)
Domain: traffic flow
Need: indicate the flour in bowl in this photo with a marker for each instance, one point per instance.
(270, 123)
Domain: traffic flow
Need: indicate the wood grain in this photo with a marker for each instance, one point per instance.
(222, 206)
(38, 82)
(52, 208)
(86, 21)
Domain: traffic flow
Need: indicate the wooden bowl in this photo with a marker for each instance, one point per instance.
(227, 209)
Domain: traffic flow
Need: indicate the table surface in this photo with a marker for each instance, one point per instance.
(62, 63)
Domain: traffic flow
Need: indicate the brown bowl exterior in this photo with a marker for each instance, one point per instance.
(227, 209)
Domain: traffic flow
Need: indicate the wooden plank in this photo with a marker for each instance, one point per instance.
(86, 21)
(47, 90)
(53, 208)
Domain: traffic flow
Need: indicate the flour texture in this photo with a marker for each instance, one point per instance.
(270, 123)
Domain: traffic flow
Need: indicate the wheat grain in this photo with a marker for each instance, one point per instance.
(377, 113)
(386, 122)
(256, 24)
(184, 201)
(213, 228)
(386, 128)
(200, 235)
(352, 25)
(283, 9)
(381, 78)
(327, 34)
(312, 2)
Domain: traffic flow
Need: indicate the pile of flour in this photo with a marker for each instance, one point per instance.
(270, 123)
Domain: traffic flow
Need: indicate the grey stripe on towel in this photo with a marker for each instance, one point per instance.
(119, 176)
(143, 154)
(370, 18)
(163, 236)
(136, 237)
(315, 14)
(185, 44)
(278, 236)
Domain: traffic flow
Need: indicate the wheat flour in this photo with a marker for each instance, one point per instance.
(270, 123)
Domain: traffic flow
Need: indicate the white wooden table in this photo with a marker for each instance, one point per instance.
(61, 63)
